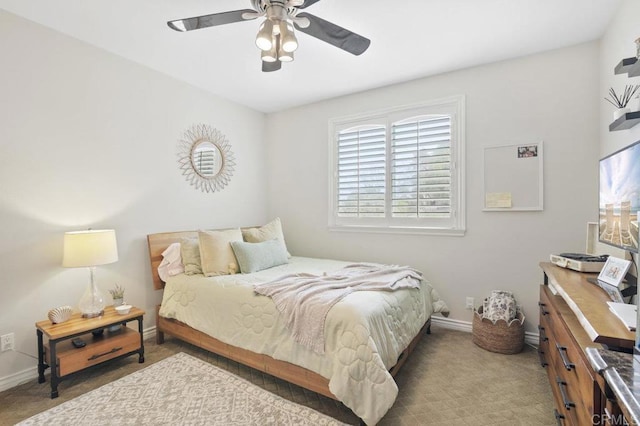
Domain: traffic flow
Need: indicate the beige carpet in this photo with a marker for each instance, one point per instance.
(447, 381)
(181, 390)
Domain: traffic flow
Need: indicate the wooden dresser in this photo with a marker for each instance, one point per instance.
(574, 315)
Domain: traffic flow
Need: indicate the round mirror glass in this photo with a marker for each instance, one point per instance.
(206, 159)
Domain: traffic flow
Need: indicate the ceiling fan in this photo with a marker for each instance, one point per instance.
(276, 38)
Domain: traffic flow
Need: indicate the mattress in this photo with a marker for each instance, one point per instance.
(364, 333)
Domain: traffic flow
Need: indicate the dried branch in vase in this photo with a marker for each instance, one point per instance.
(621, 101)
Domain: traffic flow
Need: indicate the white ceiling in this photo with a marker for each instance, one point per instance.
(409, 39)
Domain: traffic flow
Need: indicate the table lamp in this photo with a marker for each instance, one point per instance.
(90, 249)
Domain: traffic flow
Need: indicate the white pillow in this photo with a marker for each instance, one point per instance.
(216, 255)
(171, 262)
(501, 306)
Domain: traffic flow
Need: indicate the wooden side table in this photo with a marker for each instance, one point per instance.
(106, 337)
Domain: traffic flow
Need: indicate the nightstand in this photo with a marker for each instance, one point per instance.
(106, 338)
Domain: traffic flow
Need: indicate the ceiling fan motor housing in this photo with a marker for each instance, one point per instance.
(277, 9)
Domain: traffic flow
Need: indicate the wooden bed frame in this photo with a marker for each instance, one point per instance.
(284, 370)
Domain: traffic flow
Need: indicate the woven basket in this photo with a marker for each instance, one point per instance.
(499, 337)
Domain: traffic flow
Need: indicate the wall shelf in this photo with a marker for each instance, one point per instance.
(626, 121)
(630, 66)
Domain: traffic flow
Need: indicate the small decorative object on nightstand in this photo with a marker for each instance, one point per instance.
(117, 294)
(123, 309)
(61, 314)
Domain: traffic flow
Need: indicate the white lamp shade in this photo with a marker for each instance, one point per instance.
(89, 248)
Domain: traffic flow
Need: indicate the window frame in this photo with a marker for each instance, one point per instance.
(453, 106)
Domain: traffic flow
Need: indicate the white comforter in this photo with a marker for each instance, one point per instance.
(365, 332)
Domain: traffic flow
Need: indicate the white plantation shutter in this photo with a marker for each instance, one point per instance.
(399, 170)
(421, 167)
(361, 172)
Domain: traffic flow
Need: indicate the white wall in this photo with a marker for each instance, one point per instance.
(88, 139)
(616, 44)
(551, 97)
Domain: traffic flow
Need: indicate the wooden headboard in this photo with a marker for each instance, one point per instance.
(157, 244)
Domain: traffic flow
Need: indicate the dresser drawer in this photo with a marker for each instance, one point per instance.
(576, 396)
(97, 349)
(571, 363)
(549, 317)
(568, 406)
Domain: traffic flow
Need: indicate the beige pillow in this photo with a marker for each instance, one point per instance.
(270, 231)
(216, 255)
(190, 253)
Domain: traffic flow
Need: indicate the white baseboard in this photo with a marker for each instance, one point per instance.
(452, 324)
(148, 333)
(19, 378)
(31, 373)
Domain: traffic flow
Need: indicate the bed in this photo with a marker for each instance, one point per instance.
(369, 334)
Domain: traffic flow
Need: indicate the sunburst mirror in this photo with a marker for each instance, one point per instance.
(205, 158)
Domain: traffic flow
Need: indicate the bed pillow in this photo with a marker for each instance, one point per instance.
(216, 254)
(190, 253)
(254, 257)
(171, 262)
(270, 231)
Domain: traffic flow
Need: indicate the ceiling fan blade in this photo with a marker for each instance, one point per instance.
(308, 3)
(334, 35)
(271, 66)
(212, 20)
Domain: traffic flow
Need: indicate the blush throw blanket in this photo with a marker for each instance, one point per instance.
(305, 299)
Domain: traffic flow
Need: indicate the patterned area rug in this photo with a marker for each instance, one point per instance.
(180, 390)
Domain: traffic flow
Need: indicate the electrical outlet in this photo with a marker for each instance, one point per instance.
(6, 342)
(470, 305)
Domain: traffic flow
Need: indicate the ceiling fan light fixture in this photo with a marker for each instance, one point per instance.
(285, 56)
(264, 38)
(271, 55)
(276, 36)
(288, 40)
(268, 57)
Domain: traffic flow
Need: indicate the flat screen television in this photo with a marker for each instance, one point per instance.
(619, 198)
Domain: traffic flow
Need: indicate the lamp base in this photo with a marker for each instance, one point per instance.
(92, 301)
(93, 314)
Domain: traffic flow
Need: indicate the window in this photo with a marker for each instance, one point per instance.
(400, 169)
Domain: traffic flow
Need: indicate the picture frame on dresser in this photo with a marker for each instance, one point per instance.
(614, 271)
